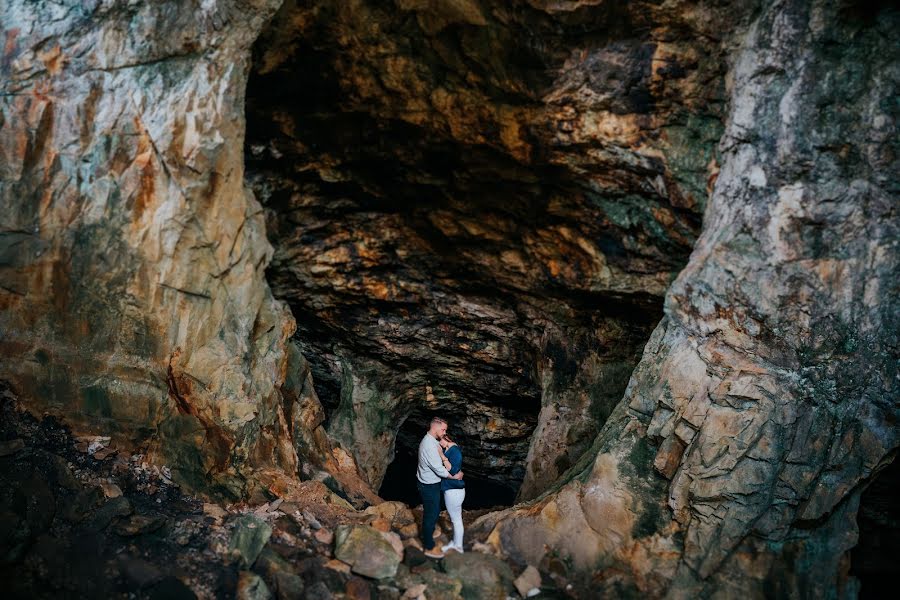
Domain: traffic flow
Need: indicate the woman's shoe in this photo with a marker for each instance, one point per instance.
(434, 553)
(447, 547)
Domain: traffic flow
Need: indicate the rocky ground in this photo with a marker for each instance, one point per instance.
(79, 519)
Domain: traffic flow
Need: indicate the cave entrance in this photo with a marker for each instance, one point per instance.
(430, 229)
(873, 559)
(400, 479)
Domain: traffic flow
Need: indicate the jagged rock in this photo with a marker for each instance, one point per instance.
(398, 514)
(135, 300)
(366, 551)
(482, 576)
(772, 367)
(477, 208)
(249, 537)
(324, 536)
(252, 587)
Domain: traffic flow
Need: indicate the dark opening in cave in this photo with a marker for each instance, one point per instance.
(874, 559)
(400, 479)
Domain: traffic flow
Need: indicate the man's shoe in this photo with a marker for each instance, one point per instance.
(434, 553)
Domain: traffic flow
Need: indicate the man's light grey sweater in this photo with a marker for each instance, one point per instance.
(431, 468)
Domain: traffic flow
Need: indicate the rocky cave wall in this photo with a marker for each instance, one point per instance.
(132, 258)
(766, 400)
(477, 209)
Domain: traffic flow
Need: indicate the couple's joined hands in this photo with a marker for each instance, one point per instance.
(457, 476)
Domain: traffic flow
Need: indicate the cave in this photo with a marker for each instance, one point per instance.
(641, 255)
(434, 264)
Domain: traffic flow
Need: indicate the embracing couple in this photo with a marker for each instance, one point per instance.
(440, 471)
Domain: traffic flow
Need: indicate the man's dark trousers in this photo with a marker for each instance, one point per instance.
(431, 507)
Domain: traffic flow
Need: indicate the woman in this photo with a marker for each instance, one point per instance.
(454, 491)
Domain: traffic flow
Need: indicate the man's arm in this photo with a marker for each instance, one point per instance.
(433, 460)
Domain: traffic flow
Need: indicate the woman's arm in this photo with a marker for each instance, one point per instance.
(455, 460)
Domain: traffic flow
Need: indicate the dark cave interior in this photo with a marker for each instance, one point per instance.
(422, 260)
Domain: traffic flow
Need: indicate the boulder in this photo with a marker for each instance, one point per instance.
(366, 551)
(528, 583)
(483, 577)
(252, 587)
(397, 514)
(248, 538)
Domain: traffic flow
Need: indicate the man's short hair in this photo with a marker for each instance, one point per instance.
(438, 421)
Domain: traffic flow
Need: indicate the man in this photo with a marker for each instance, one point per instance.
(429, 474)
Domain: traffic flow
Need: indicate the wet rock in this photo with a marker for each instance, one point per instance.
(366, 551)
(482, 576)
(248, 537)
(252, 587)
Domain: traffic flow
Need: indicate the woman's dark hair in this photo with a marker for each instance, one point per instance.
(446, 438)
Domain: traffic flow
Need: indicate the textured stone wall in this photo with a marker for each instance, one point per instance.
(132, 256)
(766, 399)
(477, 208)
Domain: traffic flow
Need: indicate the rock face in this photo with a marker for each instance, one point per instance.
(765, 400)
(132, 256)
(477, 210)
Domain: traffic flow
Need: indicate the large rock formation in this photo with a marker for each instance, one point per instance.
(477, 208)
(767, 398)
(132, 257)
